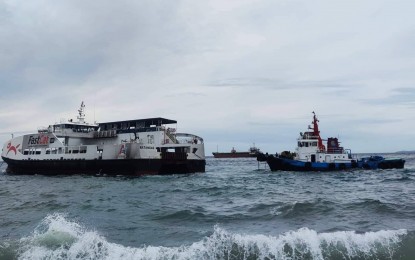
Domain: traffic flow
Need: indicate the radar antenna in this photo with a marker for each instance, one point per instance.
(81, 112)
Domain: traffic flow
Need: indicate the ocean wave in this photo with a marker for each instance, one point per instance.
(379, 206)
(58, 238)
(181, 215)
(198, 215)
(398, 179)
(295, 209)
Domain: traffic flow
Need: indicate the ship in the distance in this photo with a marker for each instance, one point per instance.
(253, 151)
(131, 147)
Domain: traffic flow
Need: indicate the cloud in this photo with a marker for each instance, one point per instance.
(215, 66)
(275, 84)
(403, 96)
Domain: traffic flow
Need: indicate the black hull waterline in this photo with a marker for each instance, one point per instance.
(128, 167)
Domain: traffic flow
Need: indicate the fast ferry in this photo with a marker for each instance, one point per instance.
(312, 155)
(131, 147)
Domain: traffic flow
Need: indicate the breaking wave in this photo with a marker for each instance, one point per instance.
(58, 238)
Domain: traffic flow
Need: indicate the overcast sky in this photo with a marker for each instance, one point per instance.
(234, 72)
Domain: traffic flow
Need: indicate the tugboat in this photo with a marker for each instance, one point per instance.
(132, 147)
(312, 155)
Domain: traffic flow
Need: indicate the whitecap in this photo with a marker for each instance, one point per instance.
(58, 238)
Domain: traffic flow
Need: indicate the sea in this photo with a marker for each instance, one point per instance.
(237, 209)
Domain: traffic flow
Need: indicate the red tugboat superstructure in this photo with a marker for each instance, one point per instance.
(316, 132)
(312, 155)
(129, 147)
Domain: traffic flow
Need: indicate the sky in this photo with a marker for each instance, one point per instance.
(235, 72)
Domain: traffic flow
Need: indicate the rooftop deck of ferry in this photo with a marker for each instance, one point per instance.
(127, 126)
(137, 125)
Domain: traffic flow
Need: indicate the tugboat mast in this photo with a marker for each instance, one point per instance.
(316, 133)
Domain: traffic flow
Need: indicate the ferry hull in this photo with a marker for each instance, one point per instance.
(284, 164)
(128, 167)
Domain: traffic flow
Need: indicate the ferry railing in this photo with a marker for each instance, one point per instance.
(184, 138)
(105, 134)
(43, 130)
(172, 137)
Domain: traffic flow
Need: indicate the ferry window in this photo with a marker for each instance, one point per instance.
(37, 151)
(299, 144)
(314, 143)
(25, 152)
(75, 151)
(47, 151)
(306, 144)
(54, 150)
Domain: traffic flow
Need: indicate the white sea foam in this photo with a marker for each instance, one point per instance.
(58, 238)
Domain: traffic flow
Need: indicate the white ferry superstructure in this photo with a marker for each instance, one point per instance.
(131, 147)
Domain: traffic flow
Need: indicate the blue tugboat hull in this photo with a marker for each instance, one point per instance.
(284, 164)
(378, 162)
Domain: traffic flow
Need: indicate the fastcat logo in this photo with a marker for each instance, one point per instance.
(39, 140)
(10, 147)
